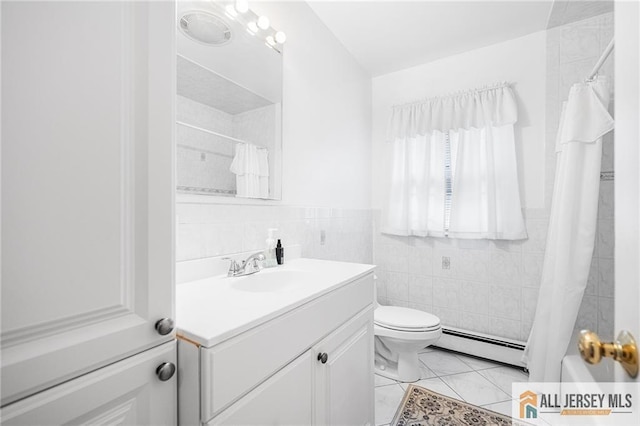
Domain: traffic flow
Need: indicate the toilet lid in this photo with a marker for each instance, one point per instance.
(400, 318)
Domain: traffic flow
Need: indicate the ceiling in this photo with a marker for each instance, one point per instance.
(564, 12)
(387, 36)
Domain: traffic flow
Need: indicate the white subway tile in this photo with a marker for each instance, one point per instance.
(397, 286)
(474, 297)
(505, 302)
(506, 268)
(532, 265)
(606, 278)
(420, 260)
(190, 242)
(421, 290)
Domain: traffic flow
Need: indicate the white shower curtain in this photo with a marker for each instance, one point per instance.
(572, 227)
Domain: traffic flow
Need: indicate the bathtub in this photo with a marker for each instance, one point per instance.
(574, 369)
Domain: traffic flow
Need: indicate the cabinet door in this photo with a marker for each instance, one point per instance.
(125, 393)
(87, 186)
(284, 399)
(344, 381)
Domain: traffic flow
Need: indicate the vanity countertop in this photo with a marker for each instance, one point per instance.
(212, 310)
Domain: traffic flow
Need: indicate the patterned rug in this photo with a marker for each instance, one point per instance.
(421, 407)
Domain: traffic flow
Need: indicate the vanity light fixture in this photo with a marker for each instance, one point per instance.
(231, 11)
(263, 23)
(242, 6)
(280, 37)
(215, 28)
(253, 27)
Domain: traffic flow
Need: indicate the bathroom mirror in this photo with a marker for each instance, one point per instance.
(229, 104)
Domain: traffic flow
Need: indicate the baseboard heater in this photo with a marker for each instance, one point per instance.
(480, 345)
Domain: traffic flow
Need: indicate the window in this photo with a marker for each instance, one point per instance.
(448, 184)
(454, 167)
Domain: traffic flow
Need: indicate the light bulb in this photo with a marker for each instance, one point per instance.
(270, 40)
(231, 11)
(281, 37)
(242, 6)
(253, 27)
(263, 22)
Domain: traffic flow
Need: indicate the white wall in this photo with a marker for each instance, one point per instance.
(327, 125)
(520, 61)
(326, 165)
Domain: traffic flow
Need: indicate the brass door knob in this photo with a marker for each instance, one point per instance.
(624, 350)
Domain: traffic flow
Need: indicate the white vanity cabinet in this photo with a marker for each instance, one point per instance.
(312, 364)
(286, 398)
(343, 384)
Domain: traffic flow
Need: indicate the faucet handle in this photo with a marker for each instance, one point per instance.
(255, 261)
(259, 256)
(234, 267)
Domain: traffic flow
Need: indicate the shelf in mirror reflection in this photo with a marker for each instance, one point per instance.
(231, 139)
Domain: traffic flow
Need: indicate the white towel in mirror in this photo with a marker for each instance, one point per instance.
(251, 167)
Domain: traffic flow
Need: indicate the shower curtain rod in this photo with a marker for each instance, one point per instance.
(603, 58)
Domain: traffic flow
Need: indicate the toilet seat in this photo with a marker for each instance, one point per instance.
(399, 334)
(405, 319)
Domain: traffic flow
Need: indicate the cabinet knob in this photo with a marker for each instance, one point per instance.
(323, 357)
(164, 326)
(165, 371)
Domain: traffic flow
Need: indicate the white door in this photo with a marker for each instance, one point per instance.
(87, 186)
(125, 393)
(627, 162)
(344, 374)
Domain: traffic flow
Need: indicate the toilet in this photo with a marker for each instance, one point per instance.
(399, 334)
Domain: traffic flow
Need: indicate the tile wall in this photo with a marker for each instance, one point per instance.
(489, 286)
(205, 230)
(492, 286)
(203, 160)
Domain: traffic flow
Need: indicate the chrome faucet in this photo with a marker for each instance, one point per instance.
(249, 266)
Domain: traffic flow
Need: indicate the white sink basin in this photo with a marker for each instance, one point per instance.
(269, 281)
(215, 308)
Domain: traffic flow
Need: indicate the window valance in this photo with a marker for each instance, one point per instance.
(491, 106)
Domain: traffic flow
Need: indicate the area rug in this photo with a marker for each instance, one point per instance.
(421, 407)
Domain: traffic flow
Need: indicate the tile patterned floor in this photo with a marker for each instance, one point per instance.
(474, 380)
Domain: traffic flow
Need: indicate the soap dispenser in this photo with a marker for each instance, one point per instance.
(270, 250)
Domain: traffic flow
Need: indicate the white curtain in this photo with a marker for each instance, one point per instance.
(477, 128)
(572, 228)
(416, 203)
(251, 167)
